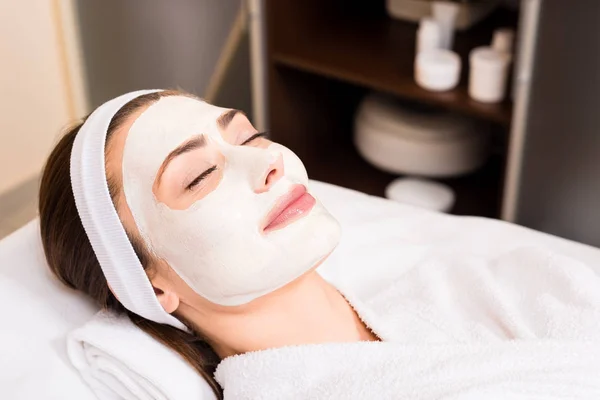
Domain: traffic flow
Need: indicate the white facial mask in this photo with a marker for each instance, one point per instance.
(216, 245)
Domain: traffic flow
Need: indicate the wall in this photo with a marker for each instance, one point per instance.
(234, 90)
(559, 191)
(35, 99)
(138, 44)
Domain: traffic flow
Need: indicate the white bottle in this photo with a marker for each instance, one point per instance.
(489, 71)
(445, 13)
(428, 35)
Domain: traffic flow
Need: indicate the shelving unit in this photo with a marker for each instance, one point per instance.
(323, 56)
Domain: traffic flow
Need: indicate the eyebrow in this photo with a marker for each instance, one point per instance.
(194, 143)
(224, 120)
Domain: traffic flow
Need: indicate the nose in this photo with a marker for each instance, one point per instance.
(273, 173)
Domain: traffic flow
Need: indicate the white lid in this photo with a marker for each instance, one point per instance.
(418, 122)
(421, 193)
(487, 57)
(438, 61)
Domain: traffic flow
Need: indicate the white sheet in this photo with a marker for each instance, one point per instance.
(38, 311)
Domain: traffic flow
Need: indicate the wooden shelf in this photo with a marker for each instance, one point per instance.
(378, 53)
(324, 56)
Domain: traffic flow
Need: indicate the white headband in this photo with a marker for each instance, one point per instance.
(120, 265)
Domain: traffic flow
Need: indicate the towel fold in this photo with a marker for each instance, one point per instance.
(120, 361)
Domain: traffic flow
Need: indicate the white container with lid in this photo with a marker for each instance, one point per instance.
(421, 193)
(437, 70)
(488, 75)
(415, 140)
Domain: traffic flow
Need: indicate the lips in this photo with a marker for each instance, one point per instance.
(289, 208)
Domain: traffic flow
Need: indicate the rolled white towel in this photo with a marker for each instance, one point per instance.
(120, 361)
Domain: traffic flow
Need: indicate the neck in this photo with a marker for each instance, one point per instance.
(306, 311)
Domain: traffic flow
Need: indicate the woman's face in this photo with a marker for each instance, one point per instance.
(227, 209)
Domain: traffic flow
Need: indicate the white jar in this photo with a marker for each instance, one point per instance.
(410, 139)
(421, 193)
(487, 78)
(437, 70)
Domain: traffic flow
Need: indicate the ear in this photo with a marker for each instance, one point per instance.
(166, 295)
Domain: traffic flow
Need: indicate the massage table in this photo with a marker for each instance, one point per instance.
(38, 311)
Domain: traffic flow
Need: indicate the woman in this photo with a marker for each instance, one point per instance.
(204, 232)
(236, 201)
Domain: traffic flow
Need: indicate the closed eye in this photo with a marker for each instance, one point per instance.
(255, 136)
(200, 177)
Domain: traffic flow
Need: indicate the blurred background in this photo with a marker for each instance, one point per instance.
(472, 107)
(63, 58)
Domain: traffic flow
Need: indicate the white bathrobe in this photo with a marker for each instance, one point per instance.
(522, 324)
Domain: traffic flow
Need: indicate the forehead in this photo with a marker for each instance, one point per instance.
(173, 114)
(165, 125)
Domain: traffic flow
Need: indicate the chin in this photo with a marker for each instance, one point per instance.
(325, 232)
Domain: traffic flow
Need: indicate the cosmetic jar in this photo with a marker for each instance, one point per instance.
(488, 74)
(437, 70)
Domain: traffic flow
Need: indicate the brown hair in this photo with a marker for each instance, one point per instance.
(72, 259)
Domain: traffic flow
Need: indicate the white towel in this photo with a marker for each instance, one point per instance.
(379, 370)
(120, 361)
(523, 324)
